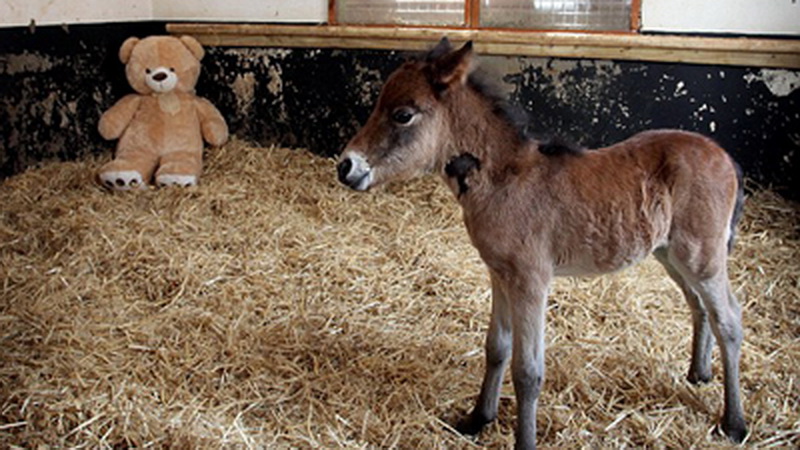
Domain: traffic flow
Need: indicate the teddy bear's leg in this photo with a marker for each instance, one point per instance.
(180, 169)
(128, 171)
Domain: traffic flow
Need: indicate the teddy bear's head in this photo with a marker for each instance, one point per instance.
(159, 64)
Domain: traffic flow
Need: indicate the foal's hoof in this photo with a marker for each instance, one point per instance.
(698, 378)
(472, 424)
(736, 430)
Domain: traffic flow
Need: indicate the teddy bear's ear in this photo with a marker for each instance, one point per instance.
(127, 48)
(194, 46)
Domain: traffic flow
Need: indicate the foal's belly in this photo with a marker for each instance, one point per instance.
(609, 249)
(588, 265)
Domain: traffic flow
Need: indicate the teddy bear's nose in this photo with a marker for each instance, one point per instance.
(160, 76)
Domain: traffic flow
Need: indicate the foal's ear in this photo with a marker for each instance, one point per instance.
(442, 48)
(454, 67)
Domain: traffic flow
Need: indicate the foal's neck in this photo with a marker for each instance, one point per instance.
(484, 148)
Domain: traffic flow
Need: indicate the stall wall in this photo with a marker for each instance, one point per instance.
(761, 17)
(767, 17)
(57, 12)
(305, 11)
(56, 81)
(317, 99)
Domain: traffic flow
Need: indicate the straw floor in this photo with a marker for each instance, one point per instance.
(271, 307)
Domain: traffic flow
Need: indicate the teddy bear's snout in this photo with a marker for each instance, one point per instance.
(162, 79)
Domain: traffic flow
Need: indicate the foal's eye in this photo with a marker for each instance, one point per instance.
(403, 116)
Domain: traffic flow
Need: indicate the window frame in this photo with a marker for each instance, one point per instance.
(472, 17)
(631, 45)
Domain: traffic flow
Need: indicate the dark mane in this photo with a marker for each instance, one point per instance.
(554, 146)
(442, 48)
(518, 118)
(481, 82)
(512, 114)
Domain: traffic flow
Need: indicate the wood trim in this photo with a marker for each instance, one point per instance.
(754, 52)
(472, 11)
(332, 19)
(636, 15)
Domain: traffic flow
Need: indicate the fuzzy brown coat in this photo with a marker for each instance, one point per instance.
(535, 213)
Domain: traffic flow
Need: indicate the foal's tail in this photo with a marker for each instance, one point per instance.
(738, 208)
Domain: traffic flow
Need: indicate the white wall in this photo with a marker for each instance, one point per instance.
(683, 16)
(722, 16)
(243, 10)
(48, 12)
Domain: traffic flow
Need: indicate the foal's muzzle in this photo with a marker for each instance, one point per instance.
(343, 169)
(354, 171)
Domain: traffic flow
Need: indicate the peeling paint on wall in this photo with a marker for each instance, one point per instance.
(275, 85)
(244, 87)
(780, 82)
(502, 69)
(26, 62)
(55, 82)
(370, 82)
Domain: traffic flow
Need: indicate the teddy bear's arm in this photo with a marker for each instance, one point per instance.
(212, 124)
(114, 121)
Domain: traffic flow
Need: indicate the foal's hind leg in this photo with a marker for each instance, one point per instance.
(709, 278)
(702, 339)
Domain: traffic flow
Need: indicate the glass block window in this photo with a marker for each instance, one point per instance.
(607, 15)
(401, 12)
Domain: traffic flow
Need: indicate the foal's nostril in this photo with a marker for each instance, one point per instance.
(343, 169)
(160, 76)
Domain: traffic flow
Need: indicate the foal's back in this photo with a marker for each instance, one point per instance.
(614, 206)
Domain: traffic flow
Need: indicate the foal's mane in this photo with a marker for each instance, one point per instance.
(513, 114)
(517, 117)
(482, 83)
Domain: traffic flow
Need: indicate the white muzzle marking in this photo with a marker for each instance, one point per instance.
(355, 171)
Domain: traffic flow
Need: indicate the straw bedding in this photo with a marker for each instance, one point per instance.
(271, 307)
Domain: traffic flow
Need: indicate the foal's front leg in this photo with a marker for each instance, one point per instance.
(528, 301)
(498, 351)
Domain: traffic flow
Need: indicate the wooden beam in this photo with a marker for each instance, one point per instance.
(472, 11)
(756, 52)
(636, 15)
(332, 19)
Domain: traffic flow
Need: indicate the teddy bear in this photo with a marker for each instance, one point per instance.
(162, 126)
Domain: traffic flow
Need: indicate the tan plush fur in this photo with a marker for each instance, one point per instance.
(161, 127)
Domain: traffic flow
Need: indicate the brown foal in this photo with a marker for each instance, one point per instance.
(536, 211)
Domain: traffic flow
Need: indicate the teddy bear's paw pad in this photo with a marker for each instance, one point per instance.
(176, 180)
(123, 180)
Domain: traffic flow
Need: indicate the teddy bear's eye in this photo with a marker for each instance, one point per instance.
(146, 70)
(172, 69)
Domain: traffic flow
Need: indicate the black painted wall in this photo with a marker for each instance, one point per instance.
(55, 82)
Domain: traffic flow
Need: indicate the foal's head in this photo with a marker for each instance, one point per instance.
(409, 127)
